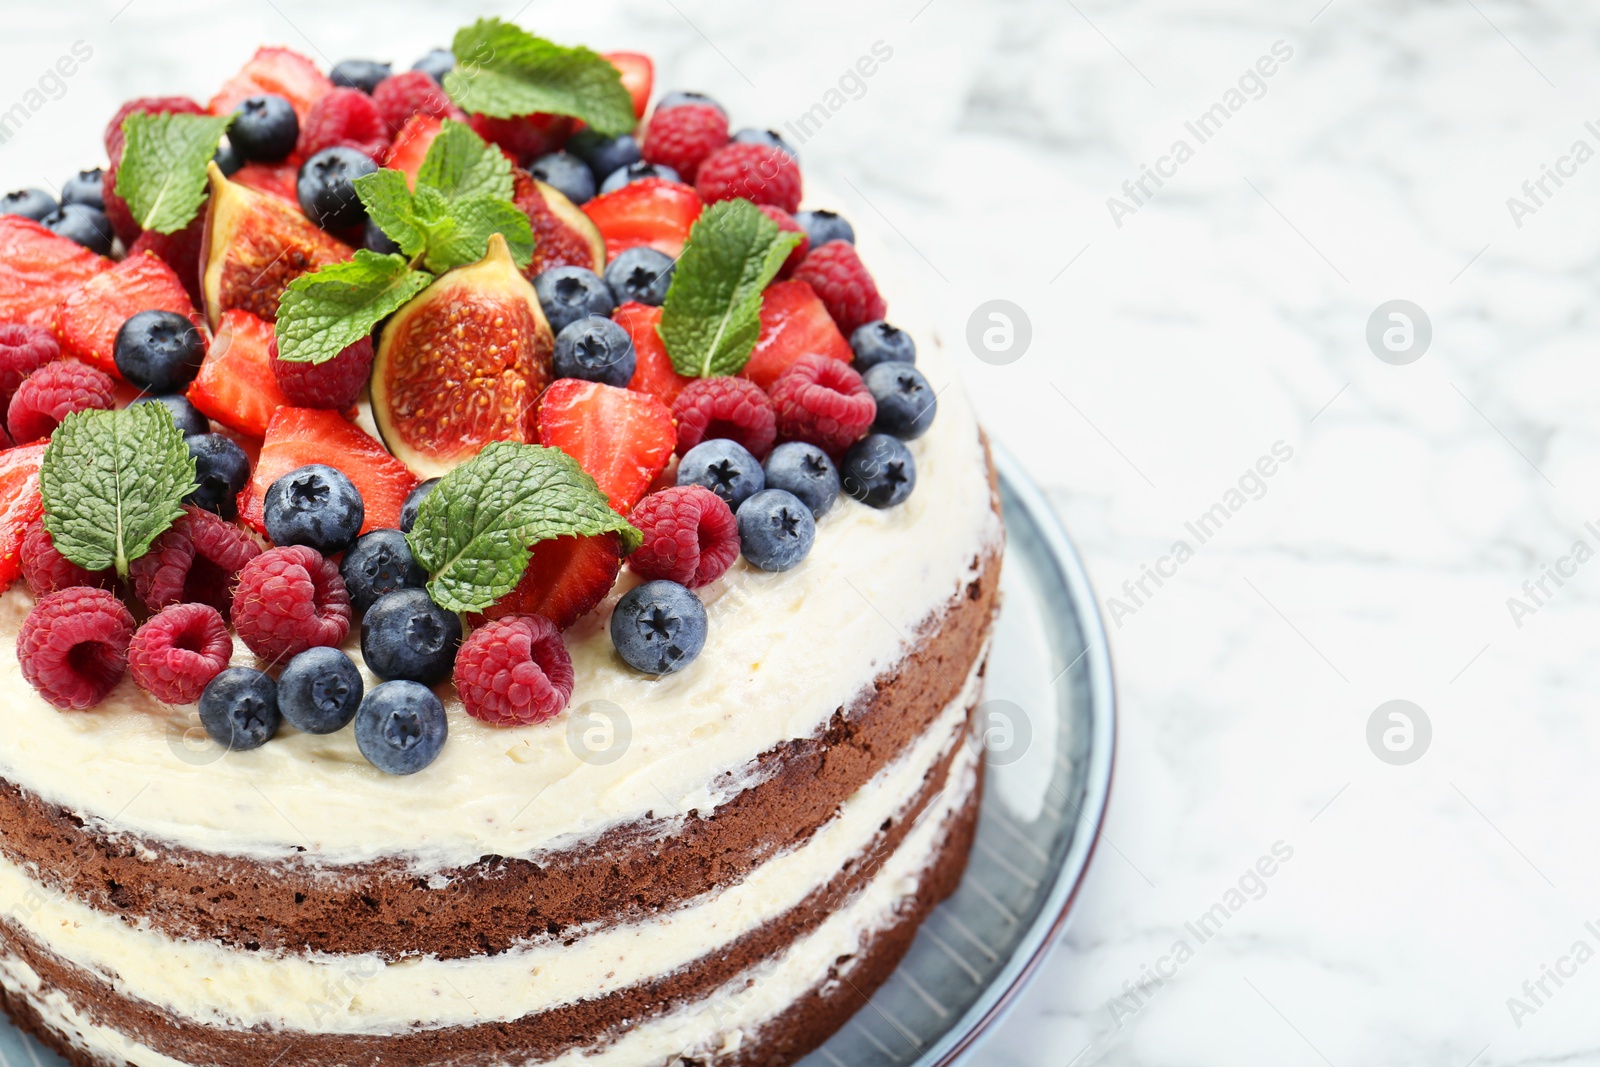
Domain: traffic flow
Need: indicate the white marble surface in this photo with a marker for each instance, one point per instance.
(1227, 314)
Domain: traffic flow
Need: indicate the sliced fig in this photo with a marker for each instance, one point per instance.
(563, 236)
(255, 244)
(461, 365)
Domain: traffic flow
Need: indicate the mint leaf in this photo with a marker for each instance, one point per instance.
(387, 198)
(475, 531)
(712, 315)
(471, 223)
(504, 71)
(112, 482)
(461, 164)
(163, 171)
(324, 312)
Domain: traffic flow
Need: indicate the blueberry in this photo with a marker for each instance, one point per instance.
(265, 129)
(85, 225)
(604, 154)
(222, 470)
(239, 709)
(33, 204)
(878, 342)
(401, 727)
(659, 627)
(568, 294)
(436, 64)
(363, 74)
(769, 138)
(878, 471)
(228, 159)
(87, 187)
(725, 468)
(327, 191)
(567, 173)
(319, 691)
(807, 472)
(160, 351)
(406, 635)
(825, 226)
(642, 274)
(637, 172)
(596, 350)
(906, 402)
(380, 563)
(316, 506)
(374, 239)
(681, 98)
(185, 416)
(776, 529)
(408, 510)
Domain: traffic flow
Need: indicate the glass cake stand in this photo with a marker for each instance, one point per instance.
(1050, 738)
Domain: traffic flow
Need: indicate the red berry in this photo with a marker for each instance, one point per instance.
(515, 671)
(652, 212)
(525, 136)
(400, 96)
(47, 570)
(53, 392)
(567, 577)
(683, 137)
(824, 402)
(835, 271)
(290, 599)
(335, 385)
(759, 173)
(787, 224)
(300, 436)
(653, 373)
(622, 439)
(180, 251)
(123, 224)
(194, 561)
(734, 408)
(23, 350)
(175, 655)
(73, 646)
(87, 322)
(690, 536)
(154, 105)
(794, 323)
(236, 385)
(345, 118)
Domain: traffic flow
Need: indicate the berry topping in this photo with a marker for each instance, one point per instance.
(53, 392)
(87, 187)
(406, 635)
(567, 577)
(23, 350)
(326, 187)
(690, 536)
(825, 226)
(277, 71)
(794, 323)
(412, 93)
(363, 74)
(724, 467)
(595, 349)
(906, 402)
(436, 64)
(567, 294)
(265, 129)
(732, 408)
(659, 627)
(638, 172)
(345, 118)
(176, 654)
(221, 470)
(380, 563)
(90, 320)
(839, 278)
(620, 437)
(413, 501)
(878, 342)
(640, 275)
(239, 709)
(298, 437)
(159, 351)
(150, 105)
(401, 727)
(185, 416)
(290, 599)
(638, 77)
(759, 173)
(685, 98)
(654, 373)
(524, 137)
(38, 270)
(317, 506)
(604, 154)
(824, 402)
(653, 212)
(515, 671)
(787, 224)
(20, 505)
(335, 385)
(236, 385)
(807, 472)
(194, 561)
(48, 571)
(771, 138)
(81, 225)
(567, 173)
(73, 646)
(776, 530)
(35, 204)
(684, 137)
(320, 690)
(878, 471)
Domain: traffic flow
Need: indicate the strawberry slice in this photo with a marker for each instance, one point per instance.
(180, 251)
(653, 374)
(620, 437)
(567, 578)
(794, 322)
(20, 505)
(236, 385)
(638, 77)
(297, 437)
(39, 269)
(652, 212)
(277, 71)
(87, 321)
(282, 180)
(411, 144)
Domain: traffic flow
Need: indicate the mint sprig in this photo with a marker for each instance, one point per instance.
(112, 482)
(162, 175)
(324, 312)
(712, 315)
(474, 533)
(504, 71)
(460, 164)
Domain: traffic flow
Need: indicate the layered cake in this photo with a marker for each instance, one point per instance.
(488, 584)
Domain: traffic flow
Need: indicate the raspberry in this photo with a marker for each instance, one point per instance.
(290, 599)
(345, 118)
(515, 671)
(47, 570)
(194, 561)
(175, 655)
(734, 408)
(759, 173)
(23, 350)
(335, 385)
(53, 392)
(690, 536)
(400, 96)
(73, 646)
(682, 138)
(846, 289)
(787, 224)
(823, 402)
(524, 137)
